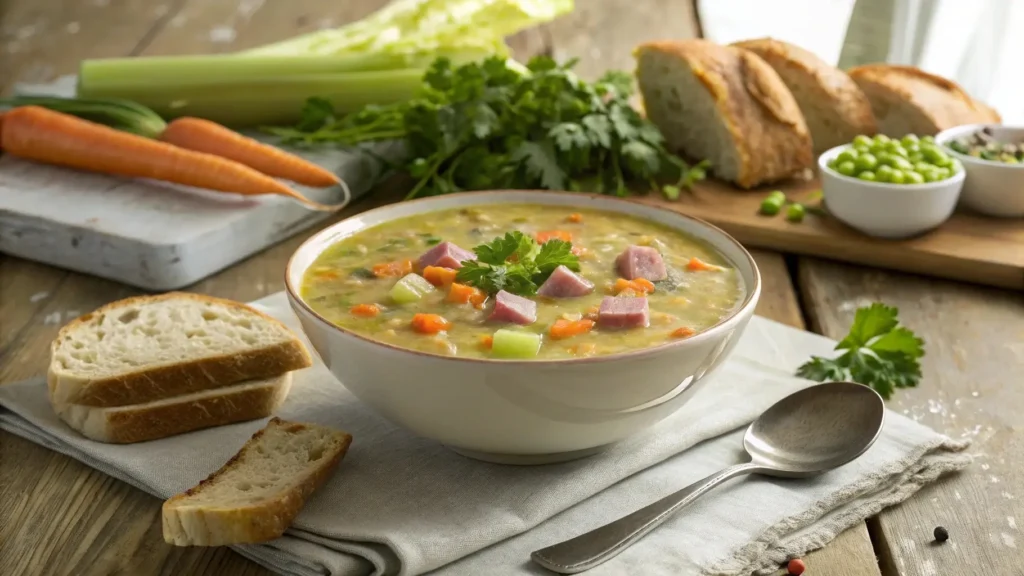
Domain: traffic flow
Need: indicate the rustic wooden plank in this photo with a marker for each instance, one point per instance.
(971, 389)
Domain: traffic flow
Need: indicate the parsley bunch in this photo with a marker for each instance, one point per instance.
(516, 263)
(484, 125)
(877, 353)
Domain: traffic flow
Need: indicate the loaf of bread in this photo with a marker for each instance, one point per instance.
(257, 494)
(726, 105)
(152, 348)
(907, 100)
(179, 414)
(832, 104)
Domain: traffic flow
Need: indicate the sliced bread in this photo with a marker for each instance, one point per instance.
(833, 106)
(726, 105)
(151, 348)
(180, 414)
(908, 100)
(257, 494)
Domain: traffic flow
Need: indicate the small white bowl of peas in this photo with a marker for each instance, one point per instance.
(891, 188)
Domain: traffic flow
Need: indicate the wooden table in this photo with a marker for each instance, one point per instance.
(60, 517)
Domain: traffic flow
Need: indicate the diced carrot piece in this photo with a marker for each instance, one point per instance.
(546, 235)
(563, 328)
(683, 332)
(439, 276)
(365, 310)
(487, 341)
(646, 285)
(583, 349)
(697, 265)
(632, 288)
(430, 323)
(327, 275)
(575, 218)
(397, 268)
(463, 294)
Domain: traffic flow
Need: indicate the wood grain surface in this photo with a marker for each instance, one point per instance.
(60, 517)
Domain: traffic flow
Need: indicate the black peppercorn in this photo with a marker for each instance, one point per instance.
(941, 534)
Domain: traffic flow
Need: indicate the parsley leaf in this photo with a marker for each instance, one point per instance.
(540, 163)
(877, 352)
(516, 263)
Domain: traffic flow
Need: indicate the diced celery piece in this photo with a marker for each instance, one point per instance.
(514, 344)
(410, 289)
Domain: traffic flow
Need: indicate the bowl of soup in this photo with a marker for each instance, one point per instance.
(519, 326)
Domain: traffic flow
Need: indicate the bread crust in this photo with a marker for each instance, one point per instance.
(129, 424)
(148, 384)
(211, 525)
(760, 113)
(943, 102)
(829, 85)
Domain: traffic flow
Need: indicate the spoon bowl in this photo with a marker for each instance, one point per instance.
(815, 430)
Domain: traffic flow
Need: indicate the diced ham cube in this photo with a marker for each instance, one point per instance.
(516, 309)
(563, 283)
(623, 313)
(445, 255)
(641, 262)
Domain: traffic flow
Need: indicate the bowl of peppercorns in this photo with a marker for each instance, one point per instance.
(993, 160)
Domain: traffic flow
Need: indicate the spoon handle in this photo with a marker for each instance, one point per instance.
(602, 544)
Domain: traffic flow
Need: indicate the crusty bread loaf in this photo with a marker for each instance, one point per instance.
(726, 105)
(833, 106)
(907, 100)
(150, 348)
(257, 494)
(180, 414)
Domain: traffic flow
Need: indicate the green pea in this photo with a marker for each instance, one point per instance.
(866, 162)
(922, 167)
(916, 156)
(861, 149)
(902, 163)
(833, 163)
(795, 212)
(898, 150)
(846, 168)
(954, 167)
(777, 195)
(881, 139)
(878, 149)
(848, 155)
(913, 178)
(771, 206)
(886, 159)
(909, 139)
(933, 175)
(418, 168)
(934, 155)
(929, 139)
(867, 175)
(913, 148)
(943, 173)
(897, 177)
(883, 173)
(862, 140)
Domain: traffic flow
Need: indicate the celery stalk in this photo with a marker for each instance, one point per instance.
(267, 100)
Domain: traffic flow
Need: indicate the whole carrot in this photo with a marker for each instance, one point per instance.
(43, 135)
(205, 136)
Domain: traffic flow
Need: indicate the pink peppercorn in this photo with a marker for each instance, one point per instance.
(796, 567)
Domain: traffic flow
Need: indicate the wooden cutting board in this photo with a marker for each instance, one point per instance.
(968, 247)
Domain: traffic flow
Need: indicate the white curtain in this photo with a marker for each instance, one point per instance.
(977, 43)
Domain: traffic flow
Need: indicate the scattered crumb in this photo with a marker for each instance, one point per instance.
(38, 296)
(1008, 540)
(223, 35)
(1011, 522)
(178, 21)
(52, 318)
(73, 27)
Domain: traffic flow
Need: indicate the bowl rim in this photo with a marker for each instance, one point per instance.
(943, 138)
(752, 293)
(831, 152)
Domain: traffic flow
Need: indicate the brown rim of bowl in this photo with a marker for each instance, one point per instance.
(702, 335)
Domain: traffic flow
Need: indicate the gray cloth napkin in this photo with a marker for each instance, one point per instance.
(404, 505)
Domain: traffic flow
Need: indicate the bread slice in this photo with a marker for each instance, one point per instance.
(257, 494)
(726, 105)
(833, 106)
(907, 100)
(150, 348)
(180, 414)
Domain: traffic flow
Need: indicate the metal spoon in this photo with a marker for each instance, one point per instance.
(806, 433)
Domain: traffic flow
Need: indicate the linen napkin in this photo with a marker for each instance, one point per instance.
(402, 505)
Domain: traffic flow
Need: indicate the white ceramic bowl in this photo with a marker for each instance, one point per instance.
(887, 210)
(523, 411)
(991, 188)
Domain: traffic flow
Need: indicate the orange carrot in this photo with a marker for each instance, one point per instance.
(546, 235)
(392, 269)
(575, 218)
(697, 265)
(683, 332)
(463, 294)
(365, 310)
(212, 138)
(430, 323)
(36, 133)
(563, 328)
(634, 287)
(487, 341)
(439, 276)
